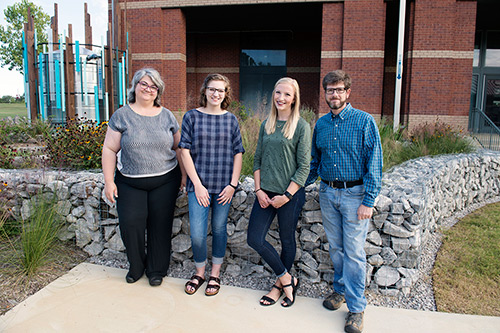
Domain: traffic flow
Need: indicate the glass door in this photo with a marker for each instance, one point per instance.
(259, 71)
(491, 101)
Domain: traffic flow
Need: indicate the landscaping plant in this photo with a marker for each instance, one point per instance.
(8, 225)
(423, 140)
(76, 145)
(39, 232)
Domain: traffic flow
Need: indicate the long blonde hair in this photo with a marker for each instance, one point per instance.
(291, 124)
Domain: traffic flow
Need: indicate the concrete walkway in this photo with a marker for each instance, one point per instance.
(92, 298)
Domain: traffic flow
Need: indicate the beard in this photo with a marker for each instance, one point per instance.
(336, 104)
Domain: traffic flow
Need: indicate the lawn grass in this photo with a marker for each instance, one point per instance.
(466, 275)
(12, 110)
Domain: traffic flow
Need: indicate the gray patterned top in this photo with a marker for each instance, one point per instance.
(146, 142)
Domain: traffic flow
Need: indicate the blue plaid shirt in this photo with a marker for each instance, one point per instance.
(347, 147)
(212, 140)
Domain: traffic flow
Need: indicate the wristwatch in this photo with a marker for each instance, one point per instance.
(288, 195)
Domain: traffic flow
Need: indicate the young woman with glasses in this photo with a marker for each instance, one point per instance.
(212, 154)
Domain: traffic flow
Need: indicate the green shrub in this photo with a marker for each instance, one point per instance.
(240, 111)
(23, 130)
(423, 140)
(12, 158)
(392, 143)
(438, 138)
(39, 232)
(76, 145)
(309, 115)
(249, 135)
(4, 212)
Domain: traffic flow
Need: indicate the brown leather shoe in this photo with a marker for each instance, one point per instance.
(334, 301)
(354, 322)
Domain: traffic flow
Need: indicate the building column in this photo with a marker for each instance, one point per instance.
(158, 40)
(440, 54)
(353, 40)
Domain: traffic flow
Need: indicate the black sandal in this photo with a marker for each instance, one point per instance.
(216, 287)
(196, 286)
(286, 301)
(269, 299)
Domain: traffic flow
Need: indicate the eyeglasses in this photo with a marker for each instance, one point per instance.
(339, 91)
(144, 85)
(212, 90)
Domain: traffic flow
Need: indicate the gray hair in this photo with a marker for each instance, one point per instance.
(154, 76)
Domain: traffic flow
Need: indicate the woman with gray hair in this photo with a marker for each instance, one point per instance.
(142, 174)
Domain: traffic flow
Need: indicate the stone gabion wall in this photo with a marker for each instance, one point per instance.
(415, 197)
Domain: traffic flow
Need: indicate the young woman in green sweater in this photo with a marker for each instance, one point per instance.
(281, 167)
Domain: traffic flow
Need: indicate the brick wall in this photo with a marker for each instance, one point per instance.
(158, 40)
(220, 53)
(437, 68)
(211, 53)
(457, 122)
(131, 4)
(331, 45)
(440, 59)
(303, 64)
(353, 40)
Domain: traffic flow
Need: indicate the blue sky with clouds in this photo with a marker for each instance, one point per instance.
(70, 12)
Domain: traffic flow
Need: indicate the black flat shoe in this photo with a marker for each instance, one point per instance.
(130, 279)
(155, 281)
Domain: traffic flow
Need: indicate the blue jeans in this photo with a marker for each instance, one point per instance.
(346, 237)
(260, 221)
(198, 220)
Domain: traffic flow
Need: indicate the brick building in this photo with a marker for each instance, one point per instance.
(256, 42)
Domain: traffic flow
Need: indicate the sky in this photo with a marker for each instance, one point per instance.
(69, 11)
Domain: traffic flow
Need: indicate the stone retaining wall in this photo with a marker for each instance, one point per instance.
(415, 197)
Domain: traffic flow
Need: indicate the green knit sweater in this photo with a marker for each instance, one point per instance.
(281, 160)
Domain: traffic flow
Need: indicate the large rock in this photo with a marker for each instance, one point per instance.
(181, 243)
(386, 276)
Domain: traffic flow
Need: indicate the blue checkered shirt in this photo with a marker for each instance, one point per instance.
(347, 147)
(212, 140)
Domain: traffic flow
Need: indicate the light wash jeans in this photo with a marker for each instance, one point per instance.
(198, 221)
(346, 237)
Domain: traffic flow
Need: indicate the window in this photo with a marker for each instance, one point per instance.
(477, 48)
(262, 58)
(492, 58)
(259, 71)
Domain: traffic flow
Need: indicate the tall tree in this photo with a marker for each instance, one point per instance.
(11, 48)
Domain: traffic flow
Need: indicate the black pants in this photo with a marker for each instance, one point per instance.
(147, 204)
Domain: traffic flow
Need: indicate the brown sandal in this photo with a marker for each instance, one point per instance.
(196, 286)
(215, 287)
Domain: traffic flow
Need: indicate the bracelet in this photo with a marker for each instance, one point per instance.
(288, 195)
(235, 187)
(257, 190)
